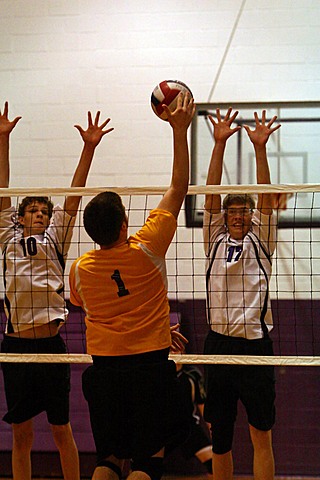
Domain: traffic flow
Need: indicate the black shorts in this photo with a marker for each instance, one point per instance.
(253, 385)
(135, 407)
(32, 388)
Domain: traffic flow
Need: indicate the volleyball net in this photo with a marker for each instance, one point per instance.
(295, 283)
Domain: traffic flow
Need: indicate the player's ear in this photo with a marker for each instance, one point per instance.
(21, 220)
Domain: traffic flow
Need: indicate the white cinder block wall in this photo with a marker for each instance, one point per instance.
(59, 59)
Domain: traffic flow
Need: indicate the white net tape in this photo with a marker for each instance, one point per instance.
(76, 358)
(156, 190)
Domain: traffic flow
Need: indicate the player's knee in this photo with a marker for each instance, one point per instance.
(152, 466)
(62, 435)
(261, 439)
(22, 436)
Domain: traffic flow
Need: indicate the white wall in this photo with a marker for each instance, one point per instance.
(59, 59)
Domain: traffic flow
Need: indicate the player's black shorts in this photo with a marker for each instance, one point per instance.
(253, 385)
(135, 404)
(32, 388)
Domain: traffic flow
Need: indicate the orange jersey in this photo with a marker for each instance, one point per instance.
(123, 291)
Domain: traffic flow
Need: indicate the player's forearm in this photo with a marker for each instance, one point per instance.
(216, 164)
(180, 170)
(81, 173)
(4, 161)
(262, 167)
(80, 178)
(174, 197)
(213, 202)
(5, 202)
(263, 177)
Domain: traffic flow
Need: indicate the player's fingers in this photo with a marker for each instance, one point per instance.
(175, 327)
(233, 116)
(187, 99)
(192, 108)
(227, 116)
(178, 337)
(6, 109)
(107, 131)
(16, 120)
(212, 120)
(96, 120)
(180, 100)
(275, 128)
(79, 128)
(263, 117)
(105, 123)
(273, 119)
(89, 119)
(176, 347)
(167, 110)
(235, 129)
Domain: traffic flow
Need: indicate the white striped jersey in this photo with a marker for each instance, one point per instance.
(33, 269)
(237, 276)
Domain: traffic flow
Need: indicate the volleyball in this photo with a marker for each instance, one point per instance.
(166, 93)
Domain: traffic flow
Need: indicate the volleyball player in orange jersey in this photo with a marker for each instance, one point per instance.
(132, 389)
(35, 248)
(239, 244)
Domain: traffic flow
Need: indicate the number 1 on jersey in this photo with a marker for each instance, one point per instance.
(122, 291)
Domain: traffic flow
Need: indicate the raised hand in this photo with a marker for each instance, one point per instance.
(222, 127)
(263, 129)
(182, 116)
(6, 126)
(94, 132)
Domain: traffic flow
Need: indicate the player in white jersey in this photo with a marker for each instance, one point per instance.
(239, 243)
(35, 241)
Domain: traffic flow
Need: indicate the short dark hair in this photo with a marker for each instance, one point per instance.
(30, 200)
(238, 198)
(103, 218)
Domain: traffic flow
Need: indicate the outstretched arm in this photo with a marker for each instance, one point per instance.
(6, 127)
(179, 120)
(91, 137)
(259, 137)
(221, 132)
